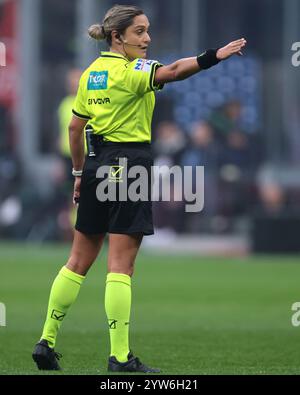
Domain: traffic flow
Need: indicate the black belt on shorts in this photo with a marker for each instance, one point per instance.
(95, 142)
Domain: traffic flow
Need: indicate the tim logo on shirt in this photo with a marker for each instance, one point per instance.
(97, 80)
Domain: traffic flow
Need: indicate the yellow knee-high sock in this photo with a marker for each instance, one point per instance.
(63, 294)
(117, 307)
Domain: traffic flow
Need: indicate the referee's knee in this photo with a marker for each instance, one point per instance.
(79, 265)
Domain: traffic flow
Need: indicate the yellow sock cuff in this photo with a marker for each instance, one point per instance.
(71, 275)
(118, 277)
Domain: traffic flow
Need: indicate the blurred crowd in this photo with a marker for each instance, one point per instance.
(231, 160)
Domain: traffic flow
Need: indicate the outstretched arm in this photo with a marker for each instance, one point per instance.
(184, 68)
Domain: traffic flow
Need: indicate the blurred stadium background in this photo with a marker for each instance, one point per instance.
(240, 120)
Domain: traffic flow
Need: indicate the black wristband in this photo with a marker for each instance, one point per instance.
(208, 59)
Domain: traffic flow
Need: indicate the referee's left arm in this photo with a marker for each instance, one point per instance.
(184, 68)
(179, 70)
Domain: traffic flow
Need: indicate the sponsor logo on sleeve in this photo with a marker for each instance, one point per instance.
(97, 80)
(144, 65)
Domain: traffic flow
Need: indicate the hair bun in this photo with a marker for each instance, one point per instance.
(97, 32)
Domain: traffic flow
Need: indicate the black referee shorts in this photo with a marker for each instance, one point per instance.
(109, 169)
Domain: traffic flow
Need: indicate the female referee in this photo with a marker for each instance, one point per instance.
(116, 99)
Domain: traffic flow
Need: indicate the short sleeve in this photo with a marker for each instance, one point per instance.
(140, 76)
(79, 108)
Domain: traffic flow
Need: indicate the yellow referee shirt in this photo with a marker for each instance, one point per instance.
(117, 97)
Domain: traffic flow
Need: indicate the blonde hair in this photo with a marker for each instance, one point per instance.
(118, 18)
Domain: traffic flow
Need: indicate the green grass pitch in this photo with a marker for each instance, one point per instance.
(190, 315)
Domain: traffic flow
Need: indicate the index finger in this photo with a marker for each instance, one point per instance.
(241, 40)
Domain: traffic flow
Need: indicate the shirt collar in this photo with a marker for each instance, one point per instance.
(107, 54)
